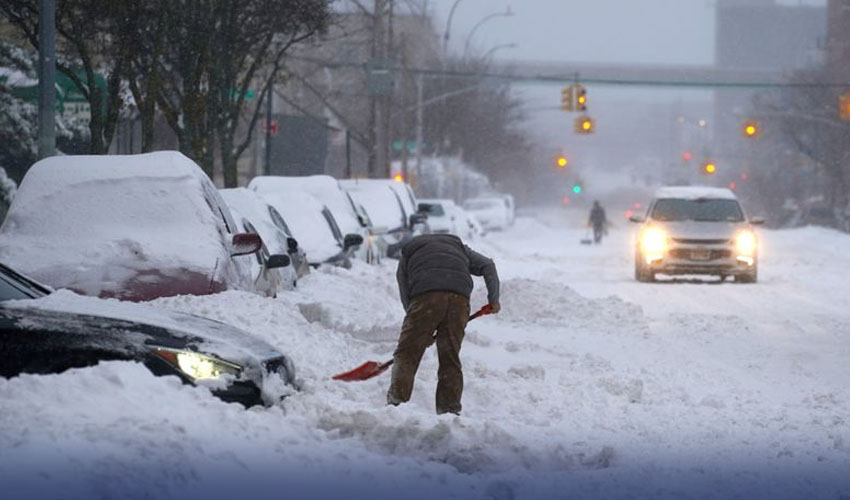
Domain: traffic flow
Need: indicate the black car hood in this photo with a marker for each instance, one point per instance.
(172, 328)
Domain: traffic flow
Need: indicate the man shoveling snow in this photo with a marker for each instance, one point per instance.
(435, 282)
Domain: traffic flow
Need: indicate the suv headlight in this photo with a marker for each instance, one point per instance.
(653, 241)
(745, 243)
(196, 365)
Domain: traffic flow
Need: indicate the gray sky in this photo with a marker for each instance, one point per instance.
(637, 31)
(603, 31)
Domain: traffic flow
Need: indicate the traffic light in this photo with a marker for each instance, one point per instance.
(581, 98)
(567, 98)
(584, 125)
(562, 161)
(844, 106)
(751, 129)
(577, 189)
(686, 156)
(709, 168)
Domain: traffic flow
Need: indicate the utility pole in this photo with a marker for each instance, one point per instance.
(47, 79)
(420, 119)
(267, 164)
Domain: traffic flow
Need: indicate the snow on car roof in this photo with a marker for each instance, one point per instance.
(402, 189)
(104, 216)
(303, 214)
(324, 188)
(694, 192)
(380, 202)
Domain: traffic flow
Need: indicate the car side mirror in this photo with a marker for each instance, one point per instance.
(637, 218)
(277, 261)
(418, 218)
(292, 244)
(351, 240)
(757, 221)
(245, 244)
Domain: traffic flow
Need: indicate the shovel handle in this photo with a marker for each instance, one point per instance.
(484, 311)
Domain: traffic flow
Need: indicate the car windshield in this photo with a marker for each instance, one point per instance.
(700, 209)
(432, 209)
(13, 286)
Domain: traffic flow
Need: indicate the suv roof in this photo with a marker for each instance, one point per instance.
(694, 192)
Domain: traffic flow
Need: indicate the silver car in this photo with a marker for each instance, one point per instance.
(696, 230)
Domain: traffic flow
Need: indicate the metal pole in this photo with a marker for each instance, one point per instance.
(420, 119)
(347, 154)
(47, 79)
(267, 167)
(449, 28)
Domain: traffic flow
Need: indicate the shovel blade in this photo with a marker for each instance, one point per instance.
(365, 371)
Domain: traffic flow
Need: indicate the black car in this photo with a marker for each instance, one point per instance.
(65, 331)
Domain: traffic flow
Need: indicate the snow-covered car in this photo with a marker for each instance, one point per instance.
(43, 332)
(391, 207)
(273, 229)
(490, 212)
(133, 227)
(467, 225)
(326, 189)
(696, 230)
(272, 272)
(315, 228)
(442, 216)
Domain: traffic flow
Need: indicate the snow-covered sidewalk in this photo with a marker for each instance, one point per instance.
(588, 385)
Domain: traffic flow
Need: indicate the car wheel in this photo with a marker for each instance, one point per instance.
(642, 274)
(750, 277)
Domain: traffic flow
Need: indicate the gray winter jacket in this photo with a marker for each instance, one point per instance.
(441, 262)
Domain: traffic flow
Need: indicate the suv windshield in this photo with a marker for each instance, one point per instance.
(701, 209)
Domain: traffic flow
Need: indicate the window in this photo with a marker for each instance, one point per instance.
(279, 222)
(332, 223)
(701, 209)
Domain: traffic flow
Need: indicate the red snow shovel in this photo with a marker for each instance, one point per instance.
(371, 369)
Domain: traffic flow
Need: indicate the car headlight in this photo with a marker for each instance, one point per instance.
(745, 243)
(198, 366)
(653, 242)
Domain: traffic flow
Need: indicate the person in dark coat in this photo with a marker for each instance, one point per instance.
(434, 282)
(597, 220)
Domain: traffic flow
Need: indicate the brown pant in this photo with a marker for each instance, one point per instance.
(447, 313)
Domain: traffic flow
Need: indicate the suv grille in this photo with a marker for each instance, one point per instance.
(688, 241)
(684, 253)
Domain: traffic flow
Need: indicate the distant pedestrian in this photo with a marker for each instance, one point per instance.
(598, 221)
(435, 282)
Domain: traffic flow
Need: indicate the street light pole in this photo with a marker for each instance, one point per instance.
(47, 79)
(449, 27)
(498, 47)
(506, 13)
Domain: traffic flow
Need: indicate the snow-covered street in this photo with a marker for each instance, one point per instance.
(587, 385)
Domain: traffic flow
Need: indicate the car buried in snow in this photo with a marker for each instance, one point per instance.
(46, 332)
(696, 230)
(131, 227)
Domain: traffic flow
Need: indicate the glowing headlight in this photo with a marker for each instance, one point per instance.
(653, 241)
(745, 243)
(198, 366)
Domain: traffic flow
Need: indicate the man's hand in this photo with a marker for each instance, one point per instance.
(494, 308)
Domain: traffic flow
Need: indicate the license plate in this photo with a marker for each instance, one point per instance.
(700, 254)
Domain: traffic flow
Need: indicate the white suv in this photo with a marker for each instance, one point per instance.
(696, 230)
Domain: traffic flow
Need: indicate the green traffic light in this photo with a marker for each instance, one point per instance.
(577, 189)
